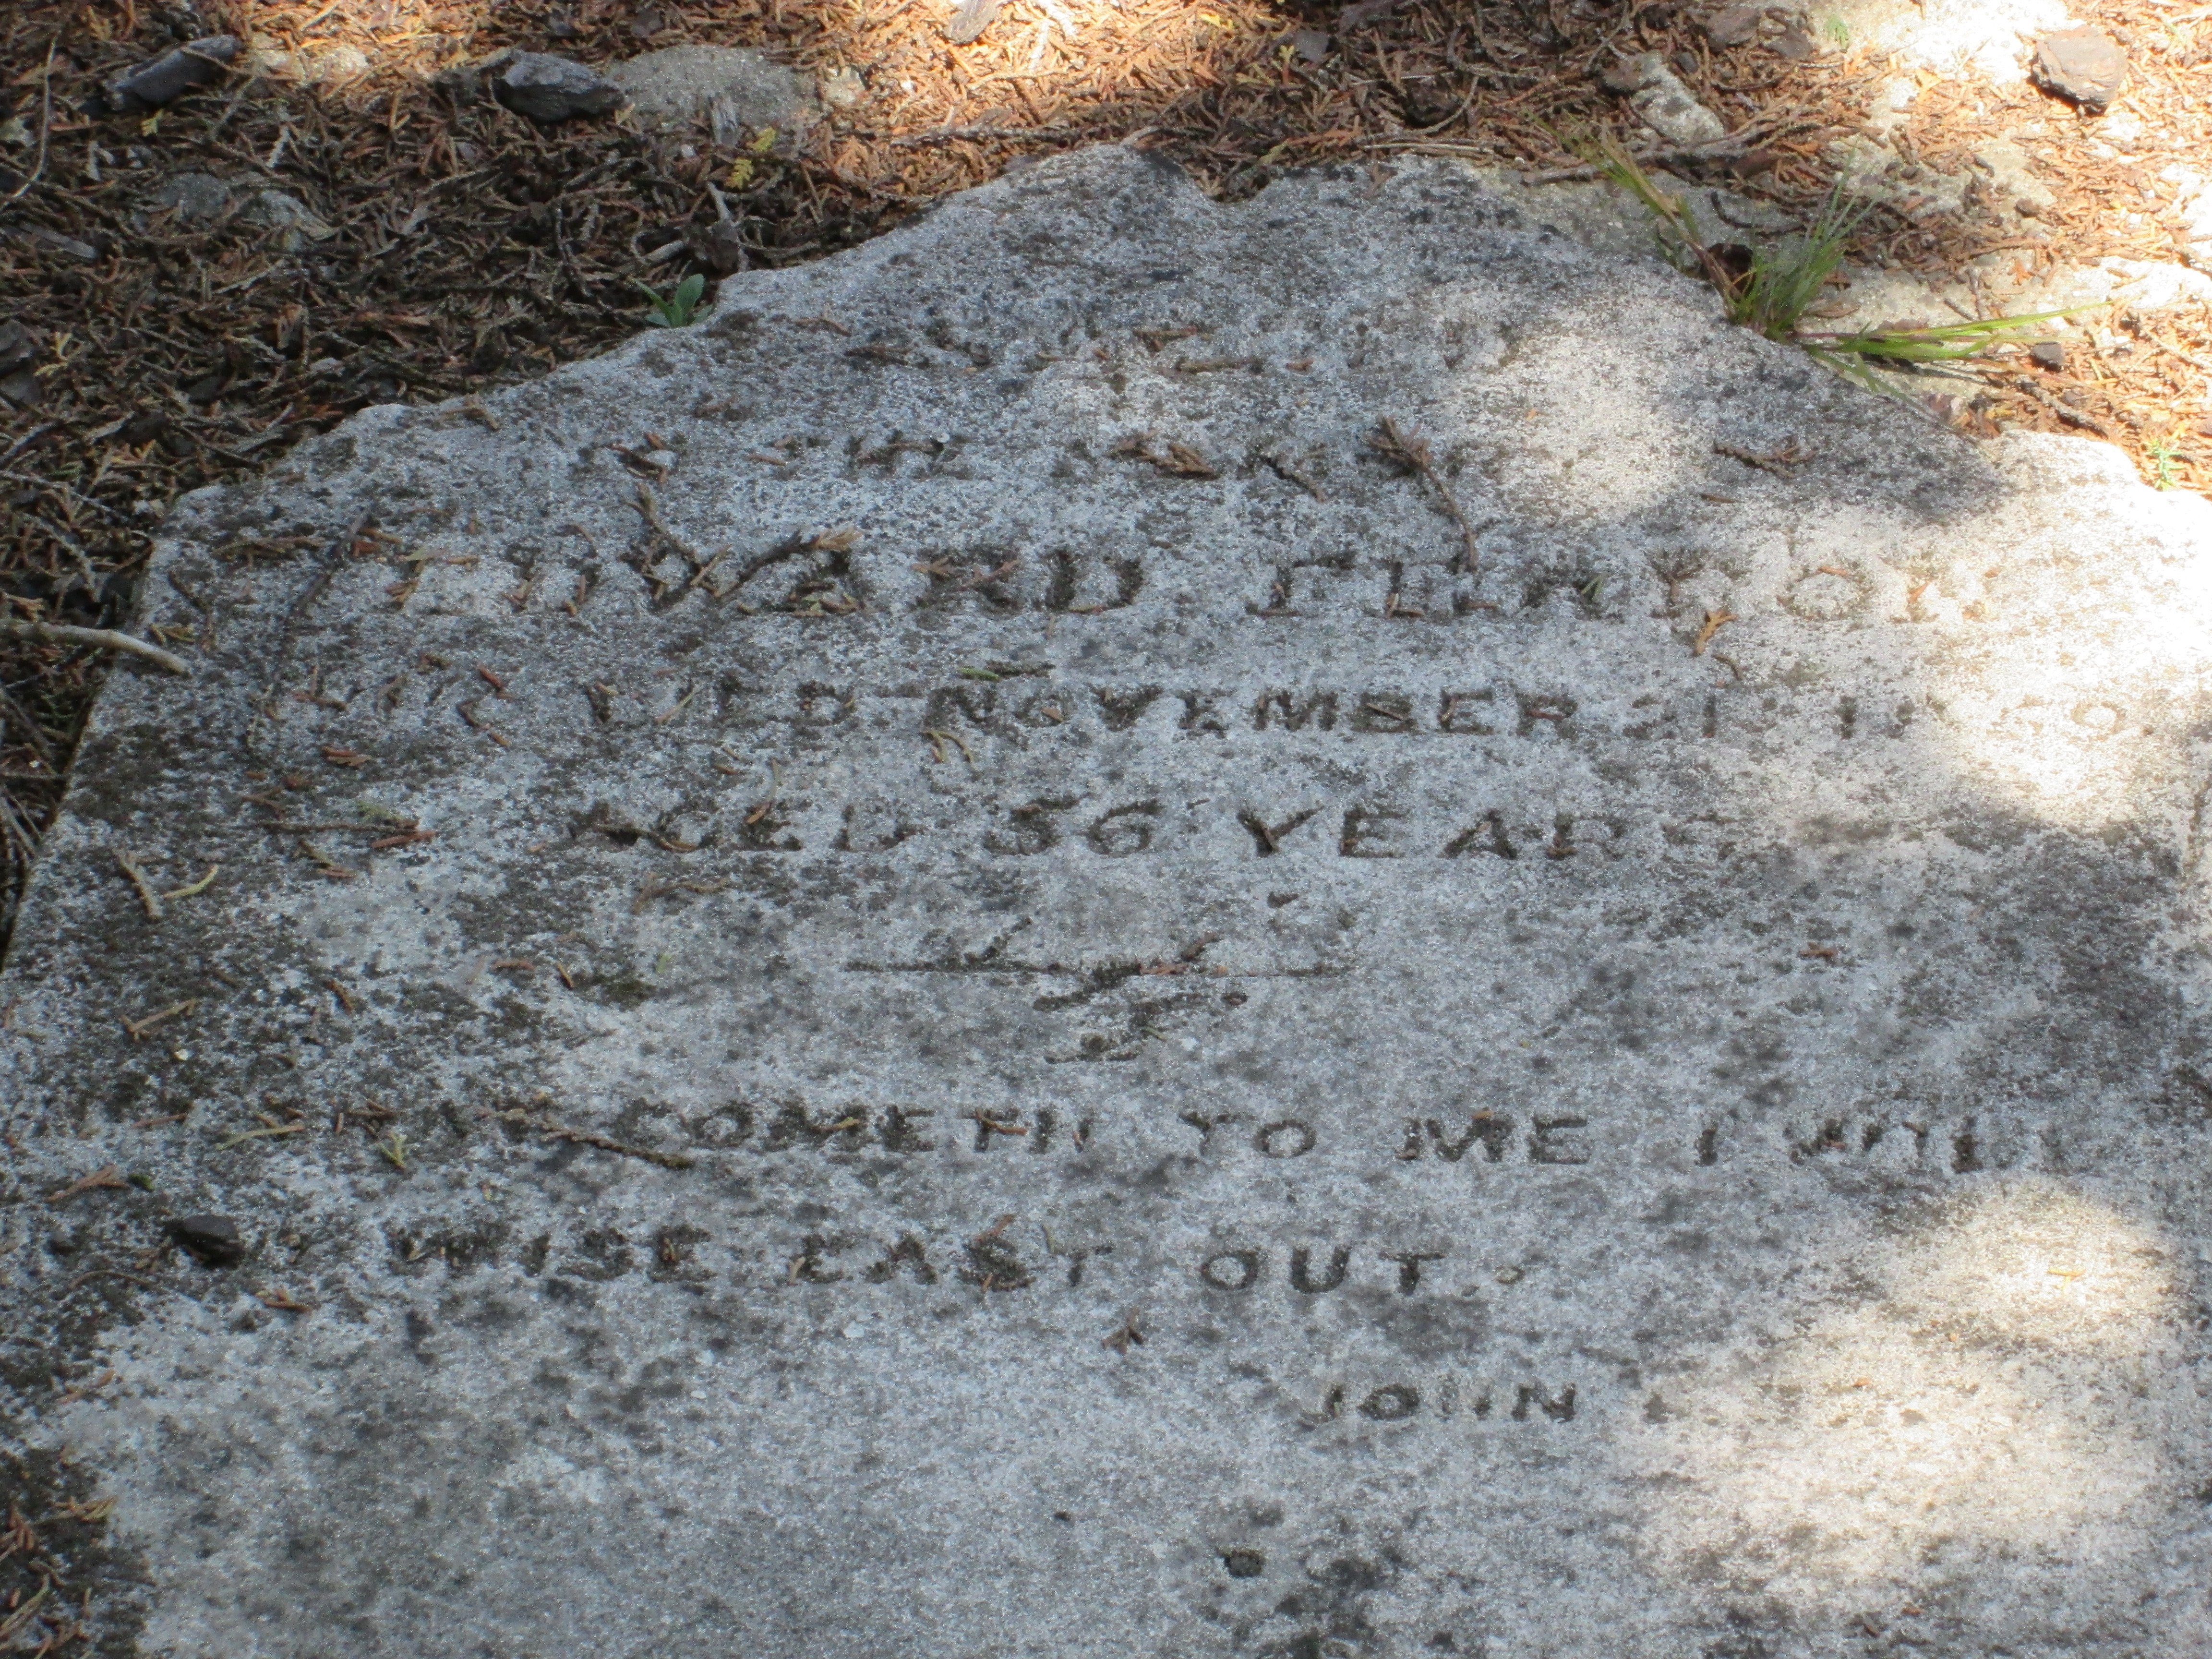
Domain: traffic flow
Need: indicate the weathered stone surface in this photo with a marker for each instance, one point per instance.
(935, 981)
(729, 86)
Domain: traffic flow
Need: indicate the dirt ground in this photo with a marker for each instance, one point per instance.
(436, 244)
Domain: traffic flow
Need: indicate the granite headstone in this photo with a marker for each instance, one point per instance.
(1131, 927)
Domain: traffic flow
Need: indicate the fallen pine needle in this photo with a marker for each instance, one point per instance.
(110, 1176)
(105, 639)
(225, 1145)
(197, 887)
(138, 1028)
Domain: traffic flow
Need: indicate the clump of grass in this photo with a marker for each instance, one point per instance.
(1856, 354)
(1771, 289)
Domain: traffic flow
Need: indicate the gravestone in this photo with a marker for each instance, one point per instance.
(1128, 926)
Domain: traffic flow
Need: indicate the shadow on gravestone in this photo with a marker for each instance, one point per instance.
(921, 971)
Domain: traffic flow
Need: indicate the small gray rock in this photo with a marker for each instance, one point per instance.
(731, 87)
(547, 89)
(293, 221)
(1670, 110)
(194, 197)
(843, 89)
(2085, 66)
(196, 64)
(2049, 354)
(213, 1240)
(1734, 25)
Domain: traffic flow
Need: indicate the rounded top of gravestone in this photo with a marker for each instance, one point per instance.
(728, 86)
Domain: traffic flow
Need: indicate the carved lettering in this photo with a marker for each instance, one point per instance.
(1409, 1268)
(1393, 1402)
(1463, 712)
(1301, 1274)
(1383, 711)
(901, 1132)
(1123, 831)
(1495, 1132)
(1319, 708)
(1231, 1270)
(1554, 715)
(1031, 830)
(907, 1253)
(807, 1268)
(1488, 836)
(1066, 585)
(1201, 715)
(992, 1262)
(794, 1124)
(1559, 1407)
(951, 705)
(1363, 837)
(1267, 838)
(1286, 1138)
(1122, 710)
(1552, 1140)
(873, 827)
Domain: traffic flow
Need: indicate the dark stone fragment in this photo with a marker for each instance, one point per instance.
(719, 246)
(212, 1241)
(1244, 1564)
(1624, 76)
(195, 63)
(2049, 354)
(463, 83)
(1734, 25)
(18, 347)
(1795, 44)
(2085, 66)
(547, 89)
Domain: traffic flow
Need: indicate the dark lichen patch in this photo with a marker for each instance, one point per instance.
(626, 989)
(64, 1584)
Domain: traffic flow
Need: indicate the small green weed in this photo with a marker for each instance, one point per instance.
(1840, 31)
(2163, 455)
(1772, 291)
(674, 310)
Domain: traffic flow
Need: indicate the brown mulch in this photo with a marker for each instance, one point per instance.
(451, 246)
